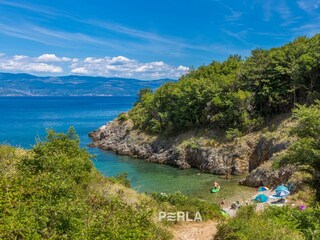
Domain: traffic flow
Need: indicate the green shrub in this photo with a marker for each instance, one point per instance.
(271, 224)
(54, 192)
(123, 117)
(121, 178)
(181, 202)
(233, 133)
(272, 128)
(306, 150)
(190, 143)
(212, 143)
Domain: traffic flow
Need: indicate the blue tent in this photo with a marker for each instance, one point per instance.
(281, 194)
(261, 198)
(281, 188)
(261, 189)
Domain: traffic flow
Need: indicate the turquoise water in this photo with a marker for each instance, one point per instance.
(22, 119)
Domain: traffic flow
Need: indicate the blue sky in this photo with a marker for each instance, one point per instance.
(143, 39)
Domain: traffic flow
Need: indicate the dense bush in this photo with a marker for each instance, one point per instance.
(123, 117)
(121, 178)
(234, 94)
(54, 192)
(272, 224)
(231, 134)
(306, 150)
(183, 203)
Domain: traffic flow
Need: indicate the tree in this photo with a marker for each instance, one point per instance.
(306, 151)
(142, 92)
(234, 93)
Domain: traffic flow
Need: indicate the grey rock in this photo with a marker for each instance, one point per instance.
(236, 158)
(267, 176)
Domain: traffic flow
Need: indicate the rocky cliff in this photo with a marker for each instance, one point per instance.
(191, 149)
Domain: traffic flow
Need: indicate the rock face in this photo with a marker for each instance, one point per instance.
(120, 138)
(264, 150)
(265, 175)
(236, 158)
(261, 172)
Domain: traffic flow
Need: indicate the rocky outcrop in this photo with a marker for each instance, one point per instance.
(265, 175)
(264, 150)
(121, 138)
(238, 157)
(261, 172)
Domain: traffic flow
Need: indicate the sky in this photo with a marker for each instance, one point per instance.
(143, 39)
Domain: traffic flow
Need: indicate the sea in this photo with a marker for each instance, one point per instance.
(25, 120)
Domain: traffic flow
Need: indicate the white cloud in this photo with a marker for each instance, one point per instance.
(118, 66)
(80, 70)
(42, 67)
(234, 15)
(19, 57)
(52, 58)
(121, 66)
(309, 5)
(158, 63)
(183, 68)
(65, 59)
(238, 35)
(309, 29)
(120, 60)
(21, 63)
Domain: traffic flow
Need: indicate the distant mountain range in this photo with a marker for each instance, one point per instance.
(28, 85)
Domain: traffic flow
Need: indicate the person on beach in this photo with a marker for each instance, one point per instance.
(223, 202)
(216, 184)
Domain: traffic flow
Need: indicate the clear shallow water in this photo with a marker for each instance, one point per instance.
(22, 119)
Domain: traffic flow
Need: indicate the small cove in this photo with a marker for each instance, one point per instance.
(25, 118)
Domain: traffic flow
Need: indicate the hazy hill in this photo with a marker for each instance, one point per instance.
(28, 85)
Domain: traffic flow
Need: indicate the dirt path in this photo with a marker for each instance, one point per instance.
(202, 230)
(195, 230)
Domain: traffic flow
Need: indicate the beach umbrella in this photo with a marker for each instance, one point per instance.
(261, 198)
(261, 189)
(281, 188)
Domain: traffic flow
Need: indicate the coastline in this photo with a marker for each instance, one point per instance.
(120, 137)
(248, 155)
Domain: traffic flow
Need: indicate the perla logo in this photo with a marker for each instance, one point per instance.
(179, 217)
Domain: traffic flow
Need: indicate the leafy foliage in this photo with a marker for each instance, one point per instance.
(123, 117)
(142, 92)
(121, 178)
(231, 134)
(184, 203)
(234, 94)
(272, 224)
(306, 151)
(54, 192)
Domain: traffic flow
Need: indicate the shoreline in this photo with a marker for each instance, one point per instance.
(121, 138)
(247, 155)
